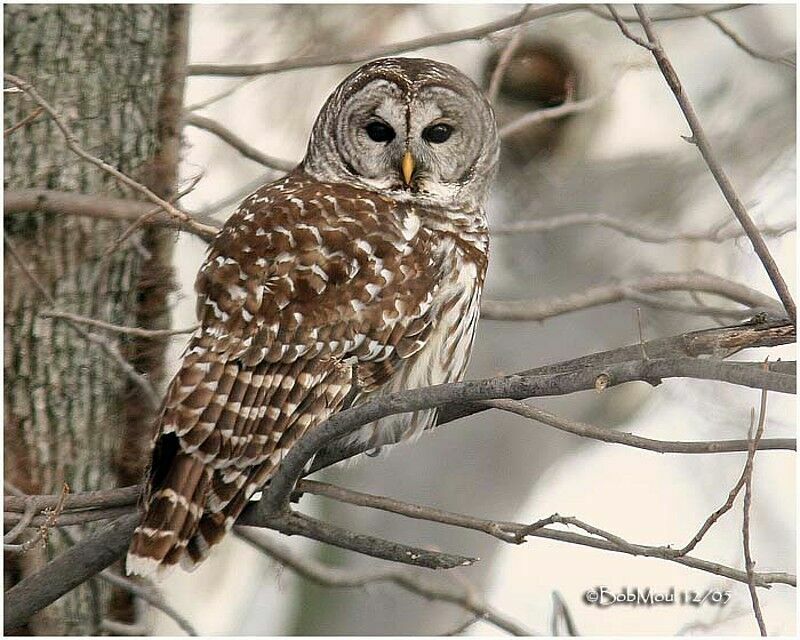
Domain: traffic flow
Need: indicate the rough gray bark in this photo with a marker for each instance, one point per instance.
(65, 401)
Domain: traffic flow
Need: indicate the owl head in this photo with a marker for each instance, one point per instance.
(411, 128)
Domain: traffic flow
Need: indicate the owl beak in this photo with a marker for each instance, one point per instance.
(408, 167)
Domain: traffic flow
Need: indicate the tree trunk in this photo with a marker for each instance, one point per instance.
(71, 414)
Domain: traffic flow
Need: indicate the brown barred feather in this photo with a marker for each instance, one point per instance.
(307, 284)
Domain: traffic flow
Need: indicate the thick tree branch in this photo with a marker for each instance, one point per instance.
(517, 387)
(100, 550)
(66, 571)
(61, 203)
(722, 342)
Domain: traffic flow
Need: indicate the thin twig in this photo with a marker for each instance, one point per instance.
(115, 628)
(604, 434)
(23, 523)
(625, 30)
(233, 198)
(659, 302)
(562, 613)
(26, 120)
(410, 581)
(753, 445)
(700, 139)
(633, 229)
(549, 113)
(524, 16)
(502, 64)
(151, 597)
(230, 138)
(143, 220)
(749, 564)
(709, 10)
(449, 37)
(43, 530)
(72, 143)
(515, 533)
(115, 328)
(543, 309)
(739, 41)
(462, 627)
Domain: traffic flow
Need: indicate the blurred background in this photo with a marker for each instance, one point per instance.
(615, 149)
(623, 157)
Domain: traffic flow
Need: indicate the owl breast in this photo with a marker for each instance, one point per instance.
(445, 356)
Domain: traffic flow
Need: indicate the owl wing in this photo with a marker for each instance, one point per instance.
(304, 280)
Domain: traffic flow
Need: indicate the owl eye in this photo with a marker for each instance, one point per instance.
(437, 133)
(380, 131)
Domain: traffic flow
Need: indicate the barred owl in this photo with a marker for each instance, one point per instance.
(358, 273)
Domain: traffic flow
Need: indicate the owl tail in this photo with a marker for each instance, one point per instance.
(171, 518)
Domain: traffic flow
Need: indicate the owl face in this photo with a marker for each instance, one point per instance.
(411, 128)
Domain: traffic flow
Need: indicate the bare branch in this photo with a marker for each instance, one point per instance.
(683, 15)
(43, 529)
(66, 571)
(605, 294)
(294, 523)
(97, 206)
(149, 595)
(528, 14)
(227, 136)
(728, 505)
(739, 42)
(605, 434)
(626, 31)
(704, 146)
(275, 497)
(102, 548)
(633, 229)
(26, 120)
(515, 533)
(413, 582)
(749, 564)
(23, 523)
(719, 343)
(122, 497)
(115, 328)
(185, 220)
(550, 113)
(328, 60)
(502, 64)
